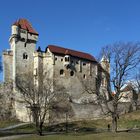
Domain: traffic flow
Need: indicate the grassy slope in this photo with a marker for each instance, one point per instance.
(129, 120)
(7, 123)
(101, 136)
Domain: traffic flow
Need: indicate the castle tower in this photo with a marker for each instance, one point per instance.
(105, 76)
(105, 64)
(23, 41)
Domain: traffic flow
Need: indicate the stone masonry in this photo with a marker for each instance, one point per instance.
(68, 67)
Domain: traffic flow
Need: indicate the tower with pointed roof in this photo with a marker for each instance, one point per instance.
(19, 59)
(105, 63)
(22, 41)
(105, 76)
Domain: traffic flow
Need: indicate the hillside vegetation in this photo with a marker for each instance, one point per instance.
(126, 121)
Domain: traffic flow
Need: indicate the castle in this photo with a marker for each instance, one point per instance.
(67, 66)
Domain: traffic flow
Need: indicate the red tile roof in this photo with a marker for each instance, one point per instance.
(25, 24)
(65, 51)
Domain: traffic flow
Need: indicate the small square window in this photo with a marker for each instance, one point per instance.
(61, 72)
(84, 64)
(72, 73)
(67, 59)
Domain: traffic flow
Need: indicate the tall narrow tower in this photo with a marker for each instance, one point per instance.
(23, 41)
(105, 64)
(105, 77)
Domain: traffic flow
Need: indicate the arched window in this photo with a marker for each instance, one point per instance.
(72, 73)
(25, 56)
(61, 72)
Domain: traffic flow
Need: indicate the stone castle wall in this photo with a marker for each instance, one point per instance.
(8, 65)
(22, 59)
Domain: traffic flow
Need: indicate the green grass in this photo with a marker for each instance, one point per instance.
(100, 136)
(7, 123)
(127, 121)
(28, 128)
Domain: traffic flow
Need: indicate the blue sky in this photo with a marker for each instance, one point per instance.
(84, 25)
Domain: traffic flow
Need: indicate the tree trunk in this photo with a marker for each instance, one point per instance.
(136, 105)
(114, 123)
(115, 116)
(66, 123)
(40, 128)
(37, 127)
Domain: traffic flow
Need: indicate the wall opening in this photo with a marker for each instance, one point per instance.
(72, 73)
(25, 56)
(61, 72)
(84, 76)
(84, 64)
(67, 59)
(55, 58)
(25, 44)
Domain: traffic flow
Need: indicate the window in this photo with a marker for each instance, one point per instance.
(25, 56)
(72, 73)
(25, 45)
(67, 59)
(55, 58)
(61, 72)
(22, 31)
(84, 64)
(84, 76)
(23, 39)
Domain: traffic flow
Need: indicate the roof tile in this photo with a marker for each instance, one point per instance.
(64, 51)
(25, 24)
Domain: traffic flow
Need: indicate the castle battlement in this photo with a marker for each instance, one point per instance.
(8, 52)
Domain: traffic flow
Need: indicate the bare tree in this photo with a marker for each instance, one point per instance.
(6, 101)
(136, 88)
(0, 65)
(123, 58)
(40, 98)
(138, 82)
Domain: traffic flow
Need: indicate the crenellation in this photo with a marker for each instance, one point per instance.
(8, 52)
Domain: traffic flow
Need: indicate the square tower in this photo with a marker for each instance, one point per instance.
(23, 41)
